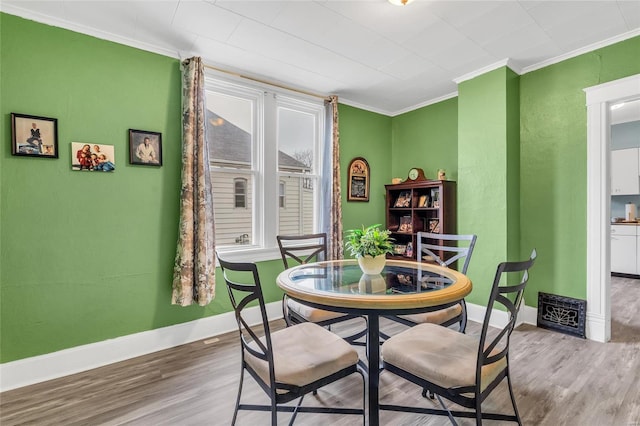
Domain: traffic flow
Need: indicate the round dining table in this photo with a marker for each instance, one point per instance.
(403, 287)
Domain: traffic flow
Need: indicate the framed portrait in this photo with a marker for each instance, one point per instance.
(145, 148)
(33, 136)
(358, 180)
(93, 157)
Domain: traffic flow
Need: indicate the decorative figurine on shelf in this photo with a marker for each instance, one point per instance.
(442, 174)
(409, 252)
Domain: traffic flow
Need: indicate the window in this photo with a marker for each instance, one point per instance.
(283, 192)
(264, 152)
(297, 158)
(240, 190)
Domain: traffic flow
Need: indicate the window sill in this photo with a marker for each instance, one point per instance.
(250, 254)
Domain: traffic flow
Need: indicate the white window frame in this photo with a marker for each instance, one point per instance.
(265, 160)
(318, 112)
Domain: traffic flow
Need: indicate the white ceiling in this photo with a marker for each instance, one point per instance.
(372, 54)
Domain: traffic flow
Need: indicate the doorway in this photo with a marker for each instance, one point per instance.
(599, 100)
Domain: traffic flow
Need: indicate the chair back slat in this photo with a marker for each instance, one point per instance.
(241, 294)
(442, 249)
(496, 346)
(302, 248)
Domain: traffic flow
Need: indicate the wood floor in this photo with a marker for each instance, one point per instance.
(557, 379)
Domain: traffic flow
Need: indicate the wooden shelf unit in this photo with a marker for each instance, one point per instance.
(407, 217)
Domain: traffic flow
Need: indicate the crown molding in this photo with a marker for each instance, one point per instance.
(507, 62)
(582, 50)
(354, 104)
(426, 103)
(82, 29)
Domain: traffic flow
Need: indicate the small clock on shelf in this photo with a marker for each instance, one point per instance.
(416, 174)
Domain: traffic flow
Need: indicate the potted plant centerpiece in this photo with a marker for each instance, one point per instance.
(369, 245)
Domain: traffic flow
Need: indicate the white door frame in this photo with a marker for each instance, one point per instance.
(599, 99)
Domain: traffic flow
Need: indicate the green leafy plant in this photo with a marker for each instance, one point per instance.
(370, 241)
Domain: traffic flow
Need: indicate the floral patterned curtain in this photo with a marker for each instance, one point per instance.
(334, 231)
(194, 270)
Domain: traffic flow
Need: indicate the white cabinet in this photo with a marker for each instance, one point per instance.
(625, 178)
(624, 249)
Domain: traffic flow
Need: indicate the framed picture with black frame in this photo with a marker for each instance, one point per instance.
(34, 136)
(145, 148)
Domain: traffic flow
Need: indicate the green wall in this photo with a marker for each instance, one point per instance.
(88, 256)
(427, 138)
(488, 164)
(365, 134)
(553, 134)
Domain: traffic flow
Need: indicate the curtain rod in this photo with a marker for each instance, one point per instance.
(266, 82)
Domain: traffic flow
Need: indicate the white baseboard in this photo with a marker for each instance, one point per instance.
(50, 366)
(527, 315)
(596, 329)
(40, 368)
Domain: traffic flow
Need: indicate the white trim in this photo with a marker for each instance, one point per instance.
(12, 9)
(527, 315)
(599, 98)
(426, 103)
(40, 368)
(582, 50)
(476, 313)
(480, 71)
(345, 101)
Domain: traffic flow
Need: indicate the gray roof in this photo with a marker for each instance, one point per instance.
(229, 143)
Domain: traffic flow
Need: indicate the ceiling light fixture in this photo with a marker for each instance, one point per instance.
(400, 2)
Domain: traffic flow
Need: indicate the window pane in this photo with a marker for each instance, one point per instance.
(229, 130)
(296, 141)
(233, 224)
(229, 135)
(297, 216)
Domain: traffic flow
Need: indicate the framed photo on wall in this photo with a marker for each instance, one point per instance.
(93, 157)
(33, 136)
(145, 148)
(358, 180)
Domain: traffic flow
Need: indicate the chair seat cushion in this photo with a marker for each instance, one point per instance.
(439, 355)
(311, 314)
(435, 317)
(304, 353)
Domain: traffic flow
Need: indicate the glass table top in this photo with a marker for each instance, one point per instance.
(397, 278)
(401, 285)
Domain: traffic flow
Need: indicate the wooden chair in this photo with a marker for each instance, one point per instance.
(458, 367)
(439, 248)
(299, 250)
(288, 363)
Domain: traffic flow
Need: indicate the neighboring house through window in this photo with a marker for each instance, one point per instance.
(264, 151)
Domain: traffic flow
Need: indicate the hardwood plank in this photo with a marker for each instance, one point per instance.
(557, 379)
